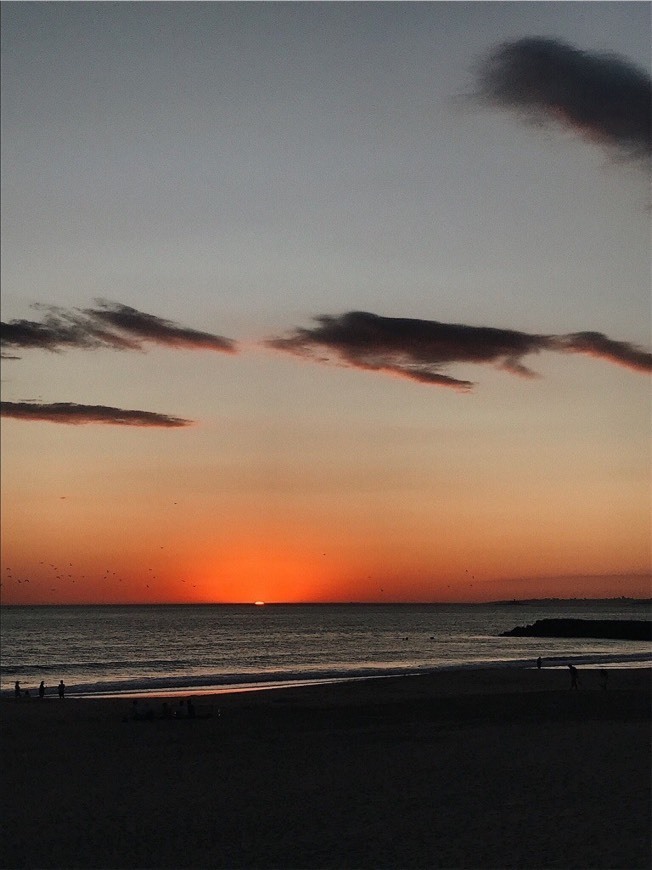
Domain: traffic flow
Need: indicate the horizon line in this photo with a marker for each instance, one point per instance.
(260, 604)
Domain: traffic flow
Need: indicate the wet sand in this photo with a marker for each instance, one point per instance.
(479, 769)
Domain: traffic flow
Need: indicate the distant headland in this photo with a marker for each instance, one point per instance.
(611, 629)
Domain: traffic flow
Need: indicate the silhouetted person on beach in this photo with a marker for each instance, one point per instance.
(41, 689)
(16, 690)
(539, 662)
(573, 676)
(604, 677)
(62, 689)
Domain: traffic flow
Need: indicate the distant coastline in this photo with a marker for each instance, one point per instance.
(637, 602)
(620, 600)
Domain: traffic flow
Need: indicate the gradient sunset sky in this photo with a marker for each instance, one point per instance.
(325, 301)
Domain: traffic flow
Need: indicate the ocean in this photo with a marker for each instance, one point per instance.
(176, 649)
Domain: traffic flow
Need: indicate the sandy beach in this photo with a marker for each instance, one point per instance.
(479, 769)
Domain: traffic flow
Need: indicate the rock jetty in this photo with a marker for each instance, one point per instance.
(612, 629)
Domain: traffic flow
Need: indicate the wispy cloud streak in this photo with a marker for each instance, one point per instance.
(601, 96)
(418, 349)
(598, 345)
(74, 414)
(109, 324)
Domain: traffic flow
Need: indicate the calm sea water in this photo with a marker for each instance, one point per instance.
(162, 649)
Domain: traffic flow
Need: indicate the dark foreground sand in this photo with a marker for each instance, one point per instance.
(488, 769)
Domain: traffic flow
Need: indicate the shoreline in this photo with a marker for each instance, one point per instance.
(451, 680)
(481, 768)
(228, 683)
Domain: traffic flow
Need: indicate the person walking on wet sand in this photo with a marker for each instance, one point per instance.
(574, 677)
(41, 689)
(16, 690)
(62, 689)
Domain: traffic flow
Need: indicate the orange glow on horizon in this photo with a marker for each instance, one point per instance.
(351, 560)
(274, 576)
(268, 575)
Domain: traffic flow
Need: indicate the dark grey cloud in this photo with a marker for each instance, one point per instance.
(108, 324)
(146, 327)
(602, 96)
(71, 413)
(418, 349)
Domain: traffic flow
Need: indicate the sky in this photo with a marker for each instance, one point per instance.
(311, 302)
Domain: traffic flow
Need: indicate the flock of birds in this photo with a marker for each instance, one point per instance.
(63, 576)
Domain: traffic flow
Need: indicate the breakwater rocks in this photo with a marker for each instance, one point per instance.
(613, 629)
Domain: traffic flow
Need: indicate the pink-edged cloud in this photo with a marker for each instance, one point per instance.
(419, 349)
(603, 97)
(108, 324)
(71, 413)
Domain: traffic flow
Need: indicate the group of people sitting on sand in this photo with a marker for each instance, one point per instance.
(24, 693)
(185, 709)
